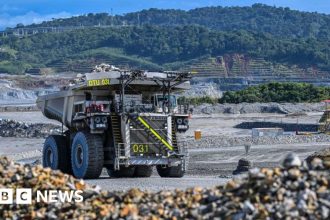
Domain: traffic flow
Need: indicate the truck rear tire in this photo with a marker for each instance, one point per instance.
(174, 172)
(143, 171)
(87, 156)
(56, 154)
(122, 173)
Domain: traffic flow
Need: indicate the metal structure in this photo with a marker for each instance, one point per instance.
(324, 122)
(126, 121)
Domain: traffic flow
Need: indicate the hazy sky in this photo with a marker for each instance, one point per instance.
(35, 11)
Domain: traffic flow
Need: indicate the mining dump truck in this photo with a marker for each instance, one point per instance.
(125, 121)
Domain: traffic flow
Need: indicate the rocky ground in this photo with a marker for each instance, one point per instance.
(225, 141)
(209, 189)
(246, 108)
(212, 159)
(290, 192)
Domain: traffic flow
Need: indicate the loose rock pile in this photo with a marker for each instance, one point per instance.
(11, 128)
(103, 67)
(292, 192)
(18, 108)
(323, 155)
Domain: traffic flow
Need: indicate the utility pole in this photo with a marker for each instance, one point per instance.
(138, 24)
(111, 17)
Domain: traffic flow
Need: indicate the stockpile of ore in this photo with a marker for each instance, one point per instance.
(103, 67)
(292, 192)
(12, 128)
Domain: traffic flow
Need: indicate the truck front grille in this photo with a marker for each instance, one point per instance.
(143, 142)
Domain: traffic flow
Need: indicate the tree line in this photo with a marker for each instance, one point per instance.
(278, 21)
(278, 92)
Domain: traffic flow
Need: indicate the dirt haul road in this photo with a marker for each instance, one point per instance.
(208, 165)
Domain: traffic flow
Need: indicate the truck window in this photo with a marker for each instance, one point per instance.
(161, 100)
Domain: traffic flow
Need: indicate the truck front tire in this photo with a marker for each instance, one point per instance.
(174, 172)
(56, 154)
(87, 156)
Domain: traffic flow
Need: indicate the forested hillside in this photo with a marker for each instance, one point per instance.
(258, 18)
(160, 39)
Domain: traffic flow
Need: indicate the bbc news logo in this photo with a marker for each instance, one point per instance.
(24, 196)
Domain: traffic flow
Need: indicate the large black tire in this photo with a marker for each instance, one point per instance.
(173, 172)
(143, 171)
(56, 154)
(87, 156)
(122, 173)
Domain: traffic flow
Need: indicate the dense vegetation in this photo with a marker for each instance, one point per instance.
(164, 45)
(258, 18)
(154, 39)
(278, 92)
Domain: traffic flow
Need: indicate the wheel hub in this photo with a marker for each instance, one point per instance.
(49, 157)
(79, 155)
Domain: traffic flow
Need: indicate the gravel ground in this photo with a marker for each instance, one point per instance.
(225, 141)
(212, 160)
(28, 150)
(243, 108)
(228, 124)
(223, 161)
(294, 191)
(155, 183)
(207, 167)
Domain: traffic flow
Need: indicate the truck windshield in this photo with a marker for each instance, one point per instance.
(161, 99)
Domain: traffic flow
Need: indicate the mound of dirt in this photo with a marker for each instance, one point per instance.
(290, 192)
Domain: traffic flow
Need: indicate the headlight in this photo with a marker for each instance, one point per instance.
(179, 121)
(97, 120)
(186, 121)
(104, 120)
